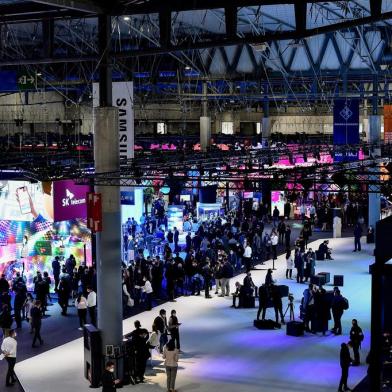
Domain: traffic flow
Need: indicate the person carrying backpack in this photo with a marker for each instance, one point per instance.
(339, 305)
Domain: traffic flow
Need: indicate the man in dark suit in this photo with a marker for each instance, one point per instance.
(176, 239)
(160, 323)
(357, 237)
(345, 361)
(108, 381)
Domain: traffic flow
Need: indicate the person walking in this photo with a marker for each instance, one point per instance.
(356, 338)
(345, 361)
(8, 348)
(170, 355)
(36, 322)
(289, 265)
(357, 237)
(56, 268)
(92, 305)
(5, 320)
(81, 306)
(174, 328)
(63, 295)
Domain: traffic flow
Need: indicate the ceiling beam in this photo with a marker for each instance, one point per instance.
(86, 6)
(231, 21)
(212, 42)
(154, 6)
(165, 28)
(375, 7)
(300, 16)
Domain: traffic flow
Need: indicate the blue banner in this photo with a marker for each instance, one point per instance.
(8, 81)
(128, 198)
(346, 127)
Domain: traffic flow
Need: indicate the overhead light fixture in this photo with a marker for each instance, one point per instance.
(39, 74)
(127, 18)
(187, 68)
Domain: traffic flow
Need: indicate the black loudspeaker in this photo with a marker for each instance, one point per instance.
(93, 357)
(283, 290)
(326, 275)
(207, 194)
(249, 301)
(338, 280)
(318, 280)
(295, 328)
(266, 324)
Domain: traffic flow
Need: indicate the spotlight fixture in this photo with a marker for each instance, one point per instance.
(127, 18)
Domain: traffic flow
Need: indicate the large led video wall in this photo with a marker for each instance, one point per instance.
(39, 221)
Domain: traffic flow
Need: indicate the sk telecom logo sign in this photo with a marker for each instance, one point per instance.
(70, 200)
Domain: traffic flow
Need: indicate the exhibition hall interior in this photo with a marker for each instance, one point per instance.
(195, 195)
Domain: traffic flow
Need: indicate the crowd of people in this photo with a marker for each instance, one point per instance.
(213, 254)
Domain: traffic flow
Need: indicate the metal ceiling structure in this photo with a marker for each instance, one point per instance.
(298, 49)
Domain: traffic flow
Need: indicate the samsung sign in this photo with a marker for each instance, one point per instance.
(123, 100)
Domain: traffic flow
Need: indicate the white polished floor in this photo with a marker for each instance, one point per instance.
(223, 351)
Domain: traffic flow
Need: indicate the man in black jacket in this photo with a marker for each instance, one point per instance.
(345, 361)
(108, 381)
(263, 301)
(207, 275)
(338, 307)
(160, 323)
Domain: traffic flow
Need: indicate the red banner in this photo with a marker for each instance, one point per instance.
(94, 212)
(388, 123)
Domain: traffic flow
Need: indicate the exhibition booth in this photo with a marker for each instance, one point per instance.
(41, 220)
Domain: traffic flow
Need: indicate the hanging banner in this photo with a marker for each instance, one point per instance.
(346, 127)
(123, 100)
(388, 123)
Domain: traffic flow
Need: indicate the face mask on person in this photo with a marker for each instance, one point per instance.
(111, 370)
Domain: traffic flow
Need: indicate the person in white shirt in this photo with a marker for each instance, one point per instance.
(81, 306)
(247, 256)
(170, 355)
(147, 289)
(274, 245)
(8, 348)
(290, 265)
(92, 305)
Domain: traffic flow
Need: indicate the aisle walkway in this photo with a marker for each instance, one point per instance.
(224, 351)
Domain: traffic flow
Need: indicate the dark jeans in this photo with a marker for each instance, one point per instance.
(356, 352)
(262, 308)
(175, 335)
(343, 379)
(82, 314)
(207, 288)
(337, 315)
(18, 317)
(279, 312)
(274, 252)
(289, 273)
(247, 263)
(93, 317)
(149, 301)
(300, 275)
(37, 334)
(357, 243)
(11, 376)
